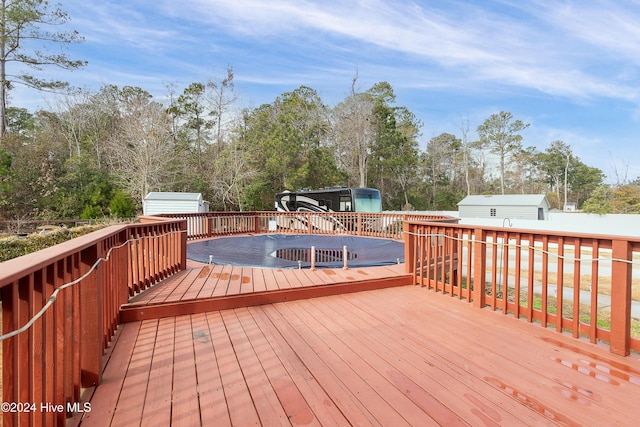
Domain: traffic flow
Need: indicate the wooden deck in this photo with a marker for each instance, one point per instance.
(202, 288)
(389, 357)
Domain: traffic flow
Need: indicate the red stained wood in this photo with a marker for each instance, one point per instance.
(241, 408)
(107, 394)
(262, 394)
(158, 394)
(185, 409)
(213, 404)
(223, 278)
(174, 297)
(132, 400)
(399, 356)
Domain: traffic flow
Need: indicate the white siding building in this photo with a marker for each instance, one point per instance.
(512, 206)
(167, 202)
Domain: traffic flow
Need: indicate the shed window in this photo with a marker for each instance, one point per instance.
(492, 212)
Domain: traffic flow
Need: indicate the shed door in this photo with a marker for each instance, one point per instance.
(541, 214)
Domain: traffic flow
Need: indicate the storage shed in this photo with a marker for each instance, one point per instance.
(513, 206)
(168, 202)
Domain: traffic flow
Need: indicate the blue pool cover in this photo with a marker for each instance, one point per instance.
(294, 251)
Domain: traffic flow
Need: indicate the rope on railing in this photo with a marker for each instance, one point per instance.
(534, 248)
(55, 293)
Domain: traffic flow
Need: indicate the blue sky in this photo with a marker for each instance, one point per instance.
(571, 69)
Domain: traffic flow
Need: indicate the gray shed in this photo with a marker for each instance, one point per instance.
(513, 206)
(168, 202)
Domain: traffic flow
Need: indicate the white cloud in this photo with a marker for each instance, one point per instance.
(538, 49)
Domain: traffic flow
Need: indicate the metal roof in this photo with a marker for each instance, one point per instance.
(161, 195)
(505, 200)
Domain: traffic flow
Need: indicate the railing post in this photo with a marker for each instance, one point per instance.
(91, 310)
(479, 268)
(409, 253)
(123, 267)
(10, 366)
(621, 297)
(183, 245)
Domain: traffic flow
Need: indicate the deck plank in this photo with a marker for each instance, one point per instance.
(213, 404)
(157, 408)
(242, 411)
(401, 388)
(264, 397)
(386, 404)
(106, 395)
(293, 279)
(185, 410)
(222, 280)
(412, 369)
(520, 365)
(435, 373)
(199, 283)
(206, 288)
(396, 356)
(321, 404)
(237, 281)
(213, 278)
(353, 409)
(134, 387)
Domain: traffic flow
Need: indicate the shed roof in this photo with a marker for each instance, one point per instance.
(162, 195)
(505, 200)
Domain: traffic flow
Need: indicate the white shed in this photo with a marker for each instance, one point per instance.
(168, 202)
(513, 206)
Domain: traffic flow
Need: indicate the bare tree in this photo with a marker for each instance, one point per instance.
(464, 129)
(233, 173)
(222, 96)
(142, 149)
(353, 133)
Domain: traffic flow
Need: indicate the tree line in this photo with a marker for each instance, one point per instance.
(100, 153)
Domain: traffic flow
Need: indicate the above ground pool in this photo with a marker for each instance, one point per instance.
(294, 251)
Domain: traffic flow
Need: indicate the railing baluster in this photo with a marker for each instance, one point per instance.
(505, 273)
(518, 277)
(479, 267)
(577, 255)
(560, 286)
(621, 297)
(593, 317)
(530, 276)
(545, 281)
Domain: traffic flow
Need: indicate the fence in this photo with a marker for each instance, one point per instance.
(383, 225)
(587, 285)
(58, 332)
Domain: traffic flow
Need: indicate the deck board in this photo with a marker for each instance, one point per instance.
(159, 389)
(213, 405)
(395, 356)
(205, 287)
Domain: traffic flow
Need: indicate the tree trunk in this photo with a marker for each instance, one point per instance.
(3, 75)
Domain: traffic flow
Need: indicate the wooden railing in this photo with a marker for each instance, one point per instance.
(66, 299)
(60, 306)
(582, 284)
(383, 225)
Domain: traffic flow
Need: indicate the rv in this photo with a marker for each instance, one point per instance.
(330, 199)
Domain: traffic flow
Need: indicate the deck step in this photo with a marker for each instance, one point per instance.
(185, 294)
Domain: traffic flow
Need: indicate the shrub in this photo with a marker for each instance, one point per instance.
(15, 246)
